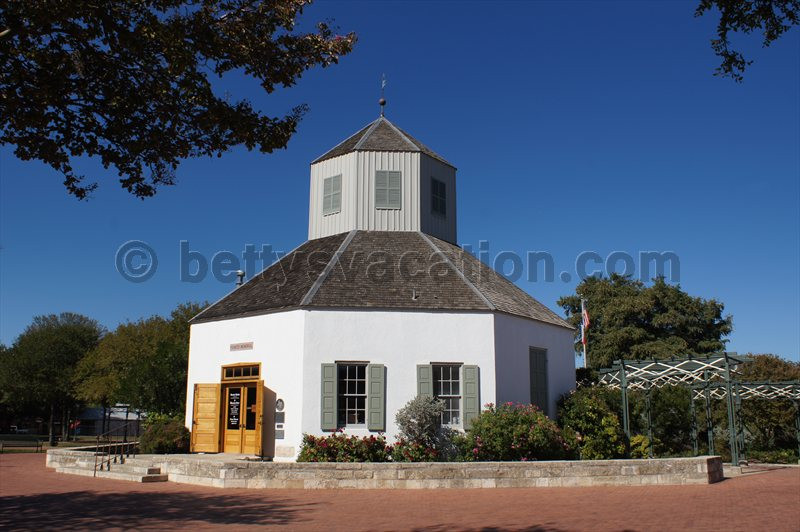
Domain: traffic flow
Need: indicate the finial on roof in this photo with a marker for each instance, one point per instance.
(382, 101)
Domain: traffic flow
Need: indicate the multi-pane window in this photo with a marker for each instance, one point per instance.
(387, 189)
(240, 372)
(438, 197)
(447, 387)
(352, 392)
(332, 194)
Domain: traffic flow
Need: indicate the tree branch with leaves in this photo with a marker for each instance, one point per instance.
(130, 83)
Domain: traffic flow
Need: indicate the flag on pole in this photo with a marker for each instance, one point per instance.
(584, 321)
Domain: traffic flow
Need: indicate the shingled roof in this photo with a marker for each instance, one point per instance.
(380, 135)
(379, 270)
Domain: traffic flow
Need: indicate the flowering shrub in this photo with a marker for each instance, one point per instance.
(341, 448)
(514, 432)
(410, 451)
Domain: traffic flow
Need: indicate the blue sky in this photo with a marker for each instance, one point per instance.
(575, 126)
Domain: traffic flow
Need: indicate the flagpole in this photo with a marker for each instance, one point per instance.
(584, 339)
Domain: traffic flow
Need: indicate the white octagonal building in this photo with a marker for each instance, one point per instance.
(378, 306)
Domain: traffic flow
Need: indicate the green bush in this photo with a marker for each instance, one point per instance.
(778, 456)
(514, 432)
(164, 435)
(341, 448)
(597, 428)
(640, 446)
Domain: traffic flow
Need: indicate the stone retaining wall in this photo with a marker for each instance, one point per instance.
(205, 470)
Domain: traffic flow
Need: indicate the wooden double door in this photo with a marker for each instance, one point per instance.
(233, 418)
(242, 418)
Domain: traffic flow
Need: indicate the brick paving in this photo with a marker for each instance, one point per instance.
(34, 497)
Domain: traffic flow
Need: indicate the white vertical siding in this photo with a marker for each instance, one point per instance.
(358, 195)
(434, 224)
(320, 225)
(367, 216)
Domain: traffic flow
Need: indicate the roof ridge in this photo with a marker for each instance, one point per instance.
(367, 133)
(458, 272)
(403, 135)
(327, 270)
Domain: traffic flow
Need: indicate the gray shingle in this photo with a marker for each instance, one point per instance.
(380, 270)
(380, 135)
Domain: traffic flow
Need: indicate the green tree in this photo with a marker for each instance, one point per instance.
(40, 366)
(634, 321)
(769, 421)
(772, 17)
(141, 363)
(130, 82)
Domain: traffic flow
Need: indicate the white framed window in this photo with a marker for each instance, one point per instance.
(388, 187)
(447, 387)
(438, 197)
(352, 394)
(332, 194)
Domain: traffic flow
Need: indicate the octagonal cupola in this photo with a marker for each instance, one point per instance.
(382, 179)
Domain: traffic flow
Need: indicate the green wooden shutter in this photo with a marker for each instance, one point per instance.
(328, 406)
(376, 410)
(538, 375)
(472, 400)
(425, 380)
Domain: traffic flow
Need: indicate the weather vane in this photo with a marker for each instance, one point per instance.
(382, 101)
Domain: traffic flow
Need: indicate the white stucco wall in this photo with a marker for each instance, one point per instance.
(292, 345)
(277, 343)
(400, 341)
(513, 337)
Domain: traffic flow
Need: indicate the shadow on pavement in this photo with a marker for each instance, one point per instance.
(85, 509)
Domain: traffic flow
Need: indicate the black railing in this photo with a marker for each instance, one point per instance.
(113, 447)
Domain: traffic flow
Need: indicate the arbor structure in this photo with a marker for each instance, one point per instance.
(709, 377)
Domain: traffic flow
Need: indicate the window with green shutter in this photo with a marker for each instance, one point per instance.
(388, 187)
(353, 395)
(455, 384)
(472, 394)
(328, 395)
(332, 194)
(376, 397)
(425, 380)
(538, 376)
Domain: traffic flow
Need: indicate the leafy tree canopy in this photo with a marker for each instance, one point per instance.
(771, 422)
(634, 321)
(39, 366)
(141, 363)
(129, 82)
(772, 17)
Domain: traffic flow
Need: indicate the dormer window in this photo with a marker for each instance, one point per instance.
(388, 185)
(438, 197)
(332, 194)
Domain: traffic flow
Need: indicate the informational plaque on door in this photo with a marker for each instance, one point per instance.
(234, 404)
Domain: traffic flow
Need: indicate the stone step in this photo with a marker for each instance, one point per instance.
(115, 475)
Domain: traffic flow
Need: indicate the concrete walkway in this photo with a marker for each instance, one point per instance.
(33, 497)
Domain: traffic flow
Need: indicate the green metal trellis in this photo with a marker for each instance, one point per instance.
(648, 374)
(709, 377)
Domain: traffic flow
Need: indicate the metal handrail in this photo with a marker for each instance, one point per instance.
(114, 450)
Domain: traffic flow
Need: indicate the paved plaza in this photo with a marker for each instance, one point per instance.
(34, 497)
